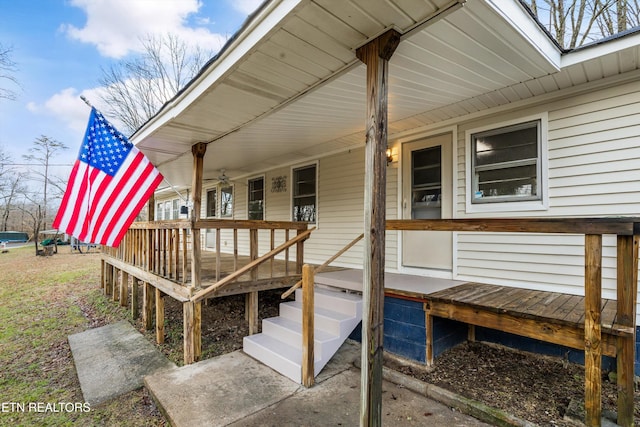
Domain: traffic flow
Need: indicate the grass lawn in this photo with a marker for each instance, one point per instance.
(42, 301)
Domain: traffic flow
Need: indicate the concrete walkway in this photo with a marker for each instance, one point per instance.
(112, 360)
(236, 390)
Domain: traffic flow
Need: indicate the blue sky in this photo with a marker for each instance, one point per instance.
(59, 47)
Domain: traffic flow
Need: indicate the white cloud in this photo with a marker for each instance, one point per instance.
(67, 107)
(246, 6)
(116, 26)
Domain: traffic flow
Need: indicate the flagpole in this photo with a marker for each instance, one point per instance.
(86, 101)
(177, 192)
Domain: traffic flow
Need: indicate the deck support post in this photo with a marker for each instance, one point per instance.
(627, 291)
(428, 323)
(308, 369)
(159, 316)
(134, 298)
(103, 267)
(251, 301)
(115, 296)
(192, 316)
(147, 306)
(124, 289)
(593, 330)
(198, 150)
(375, 55)
(108, 279)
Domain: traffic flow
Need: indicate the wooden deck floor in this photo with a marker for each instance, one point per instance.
(547, 316)
(553, 307)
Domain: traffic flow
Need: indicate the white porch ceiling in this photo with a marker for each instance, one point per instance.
(298, 90)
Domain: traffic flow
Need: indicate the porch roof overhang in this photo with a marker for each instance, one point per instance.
(289, 87)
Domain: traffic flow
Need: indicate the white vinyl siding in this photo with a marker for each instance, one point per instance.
(341, 206)
(340, 201)
(593, 158)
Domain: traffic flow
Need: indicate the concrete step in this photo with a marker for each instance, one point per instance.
(330, 321)
(279, 356)
(342, 302)
(279, 346)
(345, 279)
(290, 332)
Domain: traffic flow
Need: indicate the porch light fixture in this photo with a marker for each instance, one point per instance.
(389, 156)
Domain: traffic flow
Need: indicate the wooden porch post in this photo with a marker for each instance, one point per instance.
(198, 151)
(593, 330)
(192, 311)
(375, 55)
(308, 358)
(627, 287)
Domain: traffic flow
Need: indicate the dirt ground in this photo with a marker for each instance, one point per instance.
(540, 389)
(536, 388)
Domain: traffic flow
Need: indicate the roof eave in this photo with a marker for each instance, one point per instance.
(266, 19)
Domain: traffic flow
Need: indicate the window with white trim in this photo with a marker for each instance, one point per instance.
(256, 198)
(226, 201)
(304, 194)
(212, 195)
(506, 164)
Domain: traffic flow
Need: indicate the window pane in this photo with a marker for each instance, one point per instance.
(158, 211)
(304, 194)
(507, 147)
(256, 198)
(226, 201)
(518, 182)
(505, 163)
(211, 202)
(304, 209)
(176, 212)
(167, 210)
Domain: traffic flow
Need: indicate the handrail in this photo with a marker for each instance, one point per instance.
(623, 226)
(248, 224)
(202, 294)
(325, 264)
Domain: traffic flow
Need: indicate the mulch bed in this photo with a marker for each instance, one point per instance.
(539, 389)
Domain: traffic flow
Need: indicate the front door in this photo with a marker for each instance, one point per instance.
(427, 194)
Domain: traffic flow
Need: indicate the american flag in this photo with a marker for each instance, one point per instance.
(109, 184)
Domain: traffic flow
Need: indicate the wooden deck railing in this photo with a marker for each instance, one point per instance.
(163, 248)
(252, 266)
(158, 247)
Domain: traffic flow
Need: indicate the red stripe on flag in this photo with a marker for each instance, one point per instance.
(67, 195)
(126, 178)
(148, 192)
(87, 191)
(129, 201)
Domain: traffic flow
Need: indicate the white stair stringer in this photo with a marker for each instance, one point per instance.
(279, 346)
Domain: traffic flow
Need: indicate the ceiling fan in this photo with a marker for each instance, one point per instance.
(223, 178)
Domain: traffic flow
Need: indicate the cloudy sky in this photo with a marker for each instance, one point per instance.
(59, 47)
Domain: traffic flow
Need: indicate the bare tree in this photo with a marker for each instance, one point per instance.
(34, 217)
(43, 151)
(137, 88)
(9, 193)
(7, 71)
(576, 22)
